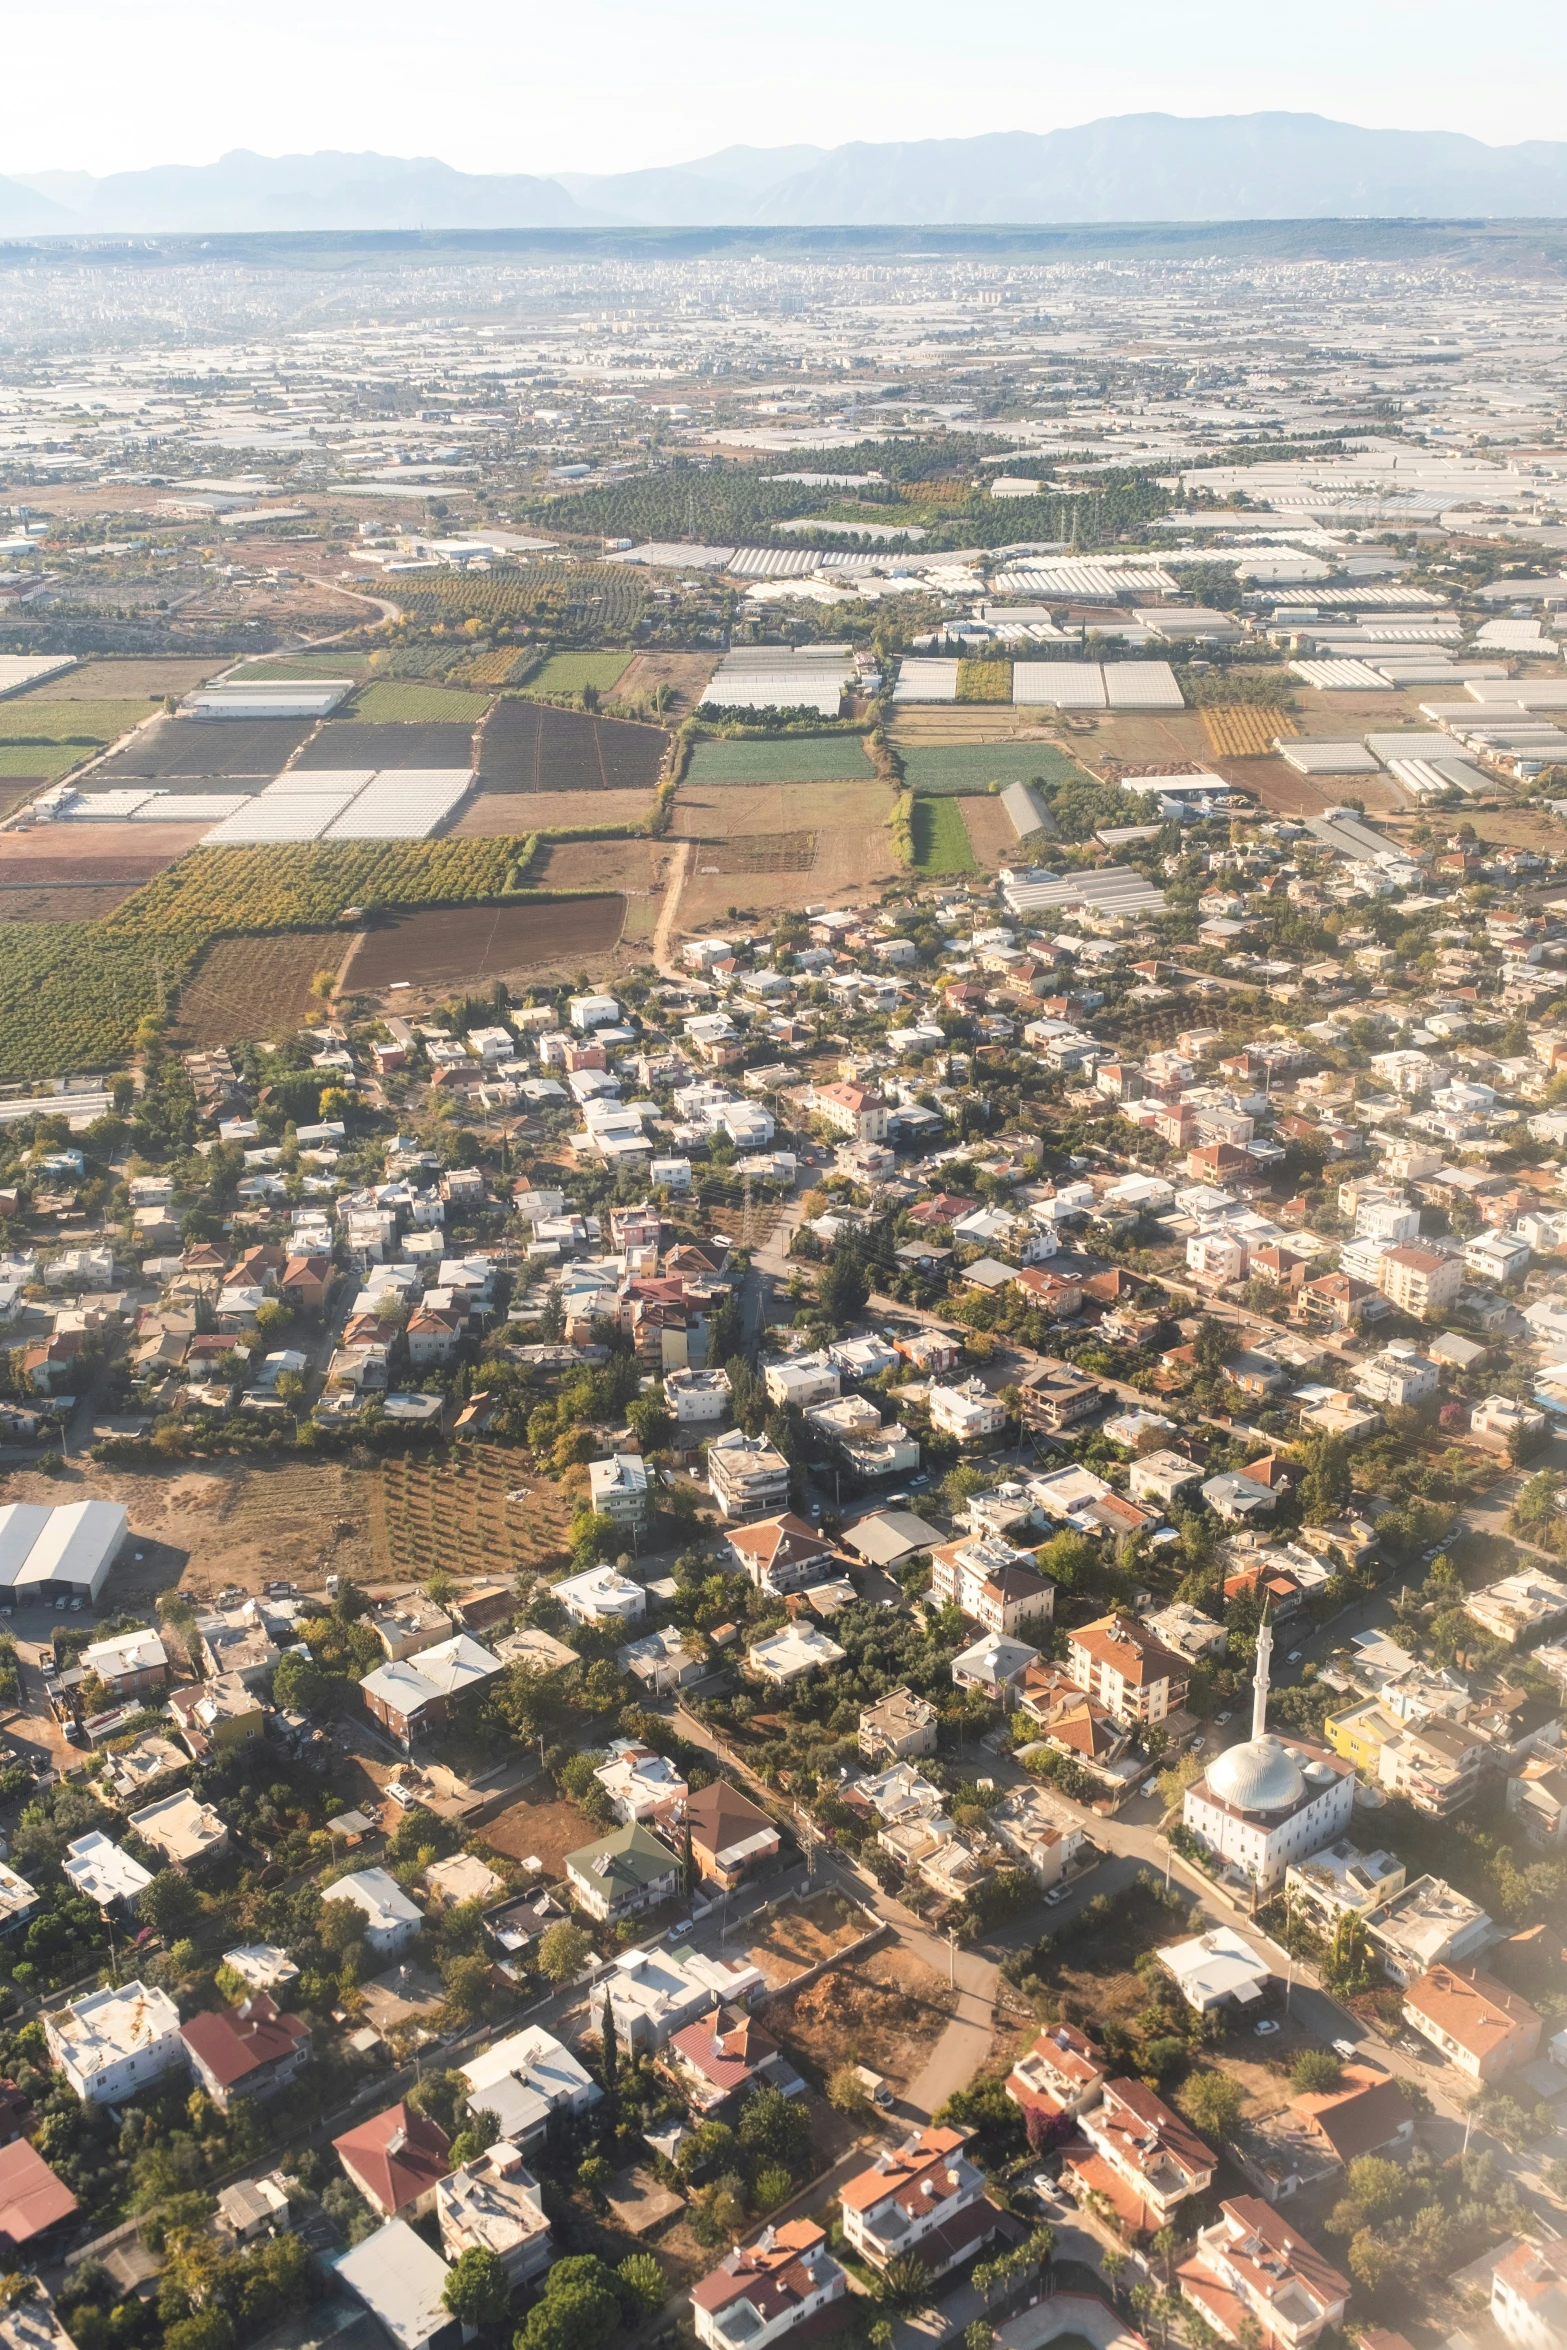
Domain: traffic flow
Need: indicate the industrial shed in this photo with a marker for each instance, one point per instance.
(51, 1554)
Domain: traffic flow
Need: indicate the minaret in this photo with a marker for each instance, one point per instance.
(1259, 1703)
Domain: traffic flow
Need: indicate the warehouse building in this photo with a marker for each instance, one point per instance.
(54, 1554)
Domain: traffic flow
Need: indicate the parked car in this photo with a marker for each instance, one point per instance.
(1266, 2026)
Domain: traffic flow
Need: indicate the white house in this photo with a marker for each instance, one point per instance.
(391, 1919)
(966, 1412)
(601, 1596)
(109, 2044)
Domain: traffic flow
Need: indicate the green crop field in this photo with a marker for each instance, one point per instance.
(800, 758)
(941, 843)
(974, 767)
(307, 665)
(388, 699)
(50, 760)
(568, 673)
(24, 720)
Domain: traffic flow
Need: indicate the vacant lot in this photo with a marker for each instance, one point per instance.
(800, 1934)
(972, 722)
(544, 1827)
(634, 867)
(215, 747)
(533, 747)
(498, 815)
(803, 758)
(757, 830)
(941, 845)
(132, 681)
(247, 989)
(568, 673)
(686, 674)
(394, 701)
(732, 811)
(447, 945)
(1279, 789)
(974, 767)
(353, 742)
(1143, 738)
(885, 2010)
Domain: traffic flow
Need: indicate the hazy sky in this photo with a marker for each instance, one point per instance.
(605, 85)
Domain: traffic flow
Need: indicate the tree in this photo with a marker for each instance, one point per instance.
(609, 2054)
(170, 1903)
(904, 2283)
(1374, 2190)
(644, 2280)
(1315, 2071)
(476, 2290)
(690, 1875)
(580, 2309)
(1347, 1967)
(848, 2093)
(299, 1685)
(1212, 2103)
(564, 1951)
(775, 2130)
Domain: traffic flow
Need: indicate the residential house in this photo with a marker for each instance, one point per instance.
(214, 1716)
(1481, 2027)
(391, 1919)
(34, 2208)
(248, 2051)
(1054, 1401)
(640, 1784)
(763, 2291)
(746, 1475)
(995, 1667)
(402, 2284)
(1529, 2292)
(782, 1554)
(723, 2055)
(524, 2080)
(992, 1585)
(729, 1833)
(618, 1488)
(622, 1873)
(1132, 1675)
(396, 2160)
(1062, 2074)
(494, 2205)
(111, 2044)
(602, 1595)
(898, 1727)
(784, 1656)
(420, 1694)
(184, 1830)
(662, 1661)
(133, 1664)
(924, 2197)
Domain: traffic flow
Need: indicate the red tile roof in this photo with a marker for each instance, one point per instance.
(233, 2042)
(31, 2197)
(397, 2157)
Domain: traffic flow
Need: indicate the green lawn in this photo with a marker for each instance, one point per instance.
(974, 767)
(799, 758)
(941, 842)
(390, 700)
(22, 720)
(568, 673)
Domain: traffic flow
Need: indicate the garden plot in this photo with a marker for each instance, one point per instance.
(244, 989)
(570, 673)
(394, 701)
(533, 747)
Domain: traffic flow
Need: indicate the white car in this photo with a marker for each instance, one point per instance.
(1266, 2026)
(1294, 1656)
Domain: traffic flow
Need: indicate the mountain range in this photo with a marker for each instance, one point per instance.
(1134, 167)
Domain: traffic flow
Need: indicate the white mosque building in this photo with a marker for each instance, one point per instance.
(1267, 1804)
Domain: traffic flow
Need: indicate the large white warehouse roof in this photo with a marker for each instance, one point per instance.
(59, 1553)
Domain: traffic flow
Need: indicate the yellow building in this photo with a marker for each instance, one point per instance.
(1359, 1733)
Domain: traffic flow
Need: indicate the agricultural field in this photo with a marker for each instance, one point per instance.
(760, 829)
(916, 723)
(222, 750)
(134, 681)
(392, 701)
(428, 1516)
(69, 996)
(801, 758)
(533, 747)
(569, 673)
(29, 766)
(992, 834)
(136, 853)
(515, 814)
(608, 596)
(633, 867)
(31, 901)
(443, 947)
(760, 852)
(941, 845)
(1244, 730)
(974, 767)
(307, 886)
(984, 681)
(497, 668)
(22, 719)
(407, 742)
(253, 988)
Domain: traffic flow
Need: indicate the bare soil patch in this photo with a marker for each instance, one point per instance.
(444, 945)
(992, 834)
(686, 673)
(1278, 788)
(761, 852)
(534, 747)
(631, 866)
(440, 1514)
(801, 1934)
(513, 815)
(863, 2013)
(248, 989)
(544, 1827)
(95, 852)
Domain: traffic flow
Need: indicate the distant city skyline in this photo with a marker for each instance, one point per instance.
(613, 85)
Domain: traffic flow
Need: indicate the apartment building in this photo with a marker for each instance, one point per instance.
(746, 1476)
(1062, 2073)
(111, 2044)
(1481, 2027)
(493, 2204)
(1143, 2159)
(898, 1728)
(1529, 2292)
(1251, 2274)
(992, 1584)
(966, 1412)
(760, 2292)
(1419, 1282)
(1132, 1675)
